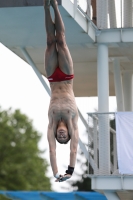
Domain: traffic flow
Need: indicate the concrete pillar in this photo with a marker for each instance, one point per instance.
(127, 90)
(103, 78)
(103, 106)
(118, 85)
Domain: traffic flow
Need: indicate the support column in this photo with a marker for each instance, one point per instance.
(103, 106)
(118, 85)
(103, 78)
(127, 90)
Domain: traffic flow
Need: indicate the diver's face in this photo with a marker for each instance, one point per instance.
(62, 132)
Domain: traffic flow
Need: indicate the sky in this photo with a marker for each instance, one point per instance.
(21, 89)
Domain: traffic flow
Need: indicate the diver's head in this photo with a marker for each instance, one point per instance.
(62, 135)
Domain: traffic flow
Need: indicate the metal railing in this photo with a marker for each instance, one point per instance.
(102, 148)
(110, 13)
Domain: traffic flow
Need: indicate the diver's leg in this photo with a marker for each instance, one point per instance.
(64, 57)
(51, 60)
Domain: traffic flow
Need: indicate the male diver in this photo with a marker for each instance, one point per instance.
(63, 113)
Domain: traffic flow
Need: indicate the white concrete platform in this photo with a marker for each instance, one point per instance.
(114, 187)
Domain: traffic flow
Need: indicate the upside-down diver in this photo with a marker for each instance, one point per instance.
(63, 112)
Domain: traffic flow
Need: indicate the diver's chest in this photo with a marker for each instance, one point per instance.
(63, 107)
(62, 112)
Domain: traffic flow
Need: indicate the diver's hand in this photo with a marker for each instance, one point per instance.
(58, 177)
(63, 178)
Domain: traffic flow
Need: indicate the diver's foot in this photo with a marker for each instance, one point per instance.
(54, 3)
(46, 3)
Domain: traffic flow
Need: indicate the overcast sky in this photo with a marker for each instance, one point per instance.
(21, 89)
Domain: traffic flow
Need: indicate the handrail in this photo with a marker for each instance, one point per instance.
(87, 17)
(92, 113)
(111, 129)
(117, 16)
(95, 120)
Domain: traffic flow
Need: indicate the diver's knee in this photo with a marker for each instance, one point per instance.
(51, 40)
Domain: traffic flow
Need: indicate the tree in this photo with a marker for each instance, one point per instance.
(3, 197)
(21, 165)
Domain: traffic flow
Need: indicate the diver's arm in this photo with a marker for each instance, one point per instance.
(73, 154)
(52, 150)
(73, 147)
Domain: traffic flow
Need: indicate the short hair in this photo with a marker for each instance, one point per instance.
(65, 142)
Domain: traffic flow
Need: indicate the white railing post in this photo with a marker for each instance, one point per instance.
(95, 144)
(114, 153)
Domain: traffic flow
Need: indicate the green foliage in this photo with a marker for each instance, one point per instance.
(21, 165)
(83, 185)
(3, 198)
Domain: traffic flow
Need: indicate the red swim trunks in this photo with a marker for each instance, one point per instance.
(59, 76)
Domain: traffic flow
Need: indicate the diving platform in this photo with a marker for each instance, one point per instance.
(114, 187)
